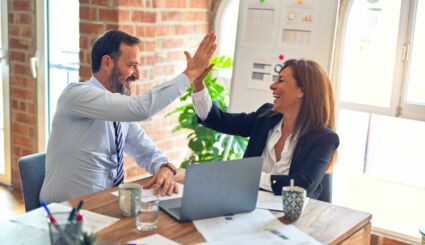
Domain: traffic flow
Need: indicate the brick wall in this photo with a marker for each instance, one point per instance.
(22, 44)
(166, 28)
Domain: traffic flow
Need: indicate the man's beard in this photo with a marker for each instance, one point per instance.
(115, 81)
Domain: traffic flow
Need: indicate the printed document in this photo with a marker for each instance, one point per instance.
(213, 229)
(147, 194)
(268, 200)
(12, 233)
(259, 225)
(37, 218)
(289, 234)
(155, 239)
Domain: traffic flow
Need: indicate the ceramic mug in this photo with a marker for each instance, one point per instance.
(129, 197)
(293, 201)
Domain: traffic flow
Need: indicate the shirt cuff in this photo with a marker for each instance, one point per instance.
(158, 166)
(202, 103)
(265, 181)
(182, 83)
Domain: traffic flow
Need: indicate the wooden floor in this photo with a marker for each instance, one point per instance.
(11, 202)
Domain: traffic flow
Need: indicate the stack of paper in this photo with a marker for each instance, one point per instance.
(12, 233)
(147, 194)
(267, 200)
(259, 226)
(37, 218)
(154, 239)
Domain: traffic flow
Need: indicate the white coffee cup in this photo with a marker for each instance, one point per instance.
(129, 197)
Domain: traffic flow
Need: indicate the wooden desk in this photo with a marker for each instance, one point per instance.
(327, 223)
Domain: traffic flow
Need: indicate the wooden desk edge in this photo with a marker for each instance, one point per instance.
(360, 232)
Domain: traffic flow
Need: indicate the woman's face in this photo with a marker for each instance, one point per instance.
(287, 94)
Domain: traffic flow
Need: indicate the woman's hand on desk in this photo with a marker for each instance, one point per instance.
(164, 179)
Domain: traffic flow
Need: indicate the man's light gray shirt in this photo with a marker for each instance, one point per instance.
(81, 153)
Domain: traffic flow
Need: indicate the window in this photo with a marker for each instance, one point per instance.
(57, 57)
(381, 58)
(415, 77)
(225, 26)
(370, 51)
(380, 82)
(5, 162)
(63, 53)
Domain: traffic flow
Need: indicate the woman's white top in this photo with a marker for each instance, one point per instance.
(202, 104)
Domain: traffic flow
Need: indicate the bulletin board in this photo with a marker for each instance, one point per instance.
(272, 31)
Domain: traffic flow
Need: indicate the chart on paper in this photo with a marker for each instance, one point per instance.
(270, 32)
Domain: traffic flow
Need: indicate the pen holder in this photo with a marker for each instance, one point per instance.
(64, 232)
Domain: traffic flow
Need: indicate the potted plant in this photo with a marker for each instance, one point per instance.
(207, 144)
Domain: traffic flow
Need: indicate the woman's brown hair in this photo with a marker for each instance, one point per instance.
(318, 106)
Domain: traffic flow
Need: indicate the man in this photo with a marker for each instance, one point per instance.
(96, 121)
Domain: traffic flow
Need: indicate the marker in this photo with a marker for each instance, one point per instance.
(79, 216)
(80, 204)
(49, 214)
(71, 214)
(55, 224)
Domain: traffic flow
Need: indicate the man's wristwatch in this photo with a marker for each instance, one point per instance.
(170, 167)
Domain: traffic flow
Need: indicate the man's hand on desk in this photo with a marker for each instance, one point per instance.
(164, 179)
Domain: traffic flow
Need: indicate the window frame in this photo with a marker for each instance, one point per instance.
(218, 14)
(398, 106)
(398, 109)
(410, 110)
(6, 178)
(41, 56)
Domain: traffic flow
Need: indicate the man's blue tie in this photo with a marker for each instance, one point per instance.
(120, 154)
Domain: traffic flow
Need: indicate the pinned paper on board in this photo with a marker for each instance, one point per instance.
(263, 71)
(277, 30)
(259, 23)
(299, 19)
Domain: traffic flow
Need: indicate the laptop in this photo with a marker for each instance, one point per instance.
(217, 189)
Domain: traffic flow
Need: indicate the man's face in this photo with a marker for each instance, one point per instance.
(125, 70)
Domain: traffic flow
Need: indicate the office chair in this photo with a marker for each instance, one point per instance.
(31, 170)
(326, 194)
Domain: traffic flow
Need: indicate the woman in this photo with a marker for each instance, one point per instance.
(294, 135)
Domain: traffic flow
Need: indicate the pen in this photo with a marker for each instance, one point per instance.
(80, 204)
(71, 215)
(55, 224)
(49, 214)
(79, 216)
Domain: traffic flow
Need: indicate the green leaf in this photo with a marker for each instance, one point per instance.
(206, 144)
(87, 238)
(228, 63)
